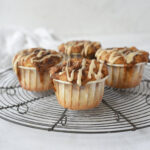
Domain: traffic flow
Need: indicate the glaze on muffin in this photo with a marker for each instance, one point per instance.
(39, 58)
(84, 48)
(126, 56)
(79, 71)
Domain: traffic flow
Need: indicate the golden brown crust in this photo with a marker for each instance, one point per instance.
(84, 48)
(124, 55)
(37, 57)
(74, 66)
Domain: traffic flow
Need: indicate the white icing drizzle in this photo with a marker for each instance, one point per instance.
(26, 54)
(122, 50)
(86, 48)
(91, 68)
(130, 56)
(40, 53)
(15, 63)
(83, 63)
(32, 54)
(47, 56)
(112, 58)
(60, 73)
(79, 77)
(86, 45)
(99, 53)
(68, 48)
(72, 74)
(99, 74)
(67, 72)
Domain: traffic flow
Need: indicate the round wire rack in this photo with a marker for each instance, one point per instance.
(120, 110)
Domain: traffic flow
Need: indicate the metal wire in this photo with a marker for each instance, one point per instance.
(121, 109)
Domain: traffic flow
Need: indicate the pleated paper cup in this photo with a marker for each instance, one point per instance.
(31, 79)
(76, 97)
(121, 76)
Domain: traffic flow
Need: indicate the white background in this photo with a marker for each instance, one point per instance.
(113, 22)
(76, 17)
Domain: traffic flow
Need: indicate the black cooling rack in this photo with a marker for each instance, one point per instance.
(120, 110)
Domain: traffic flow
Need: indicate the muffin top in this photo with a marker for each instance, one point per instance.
(39, 58)
(79, 71)
(83, 48)
(123, 55)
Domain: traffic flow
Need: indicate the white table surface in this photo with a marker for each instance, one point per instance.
(15, 137)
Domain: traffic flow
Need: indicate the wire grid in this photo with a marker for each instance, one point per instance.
(120, 110)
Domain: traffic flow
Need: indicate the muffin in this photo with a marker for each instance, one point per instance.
(125, 65)
(79, 83)
(86, 49)
(32, 65)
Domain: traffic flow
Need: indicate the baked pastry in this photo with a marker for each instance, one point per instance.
(79, 83)
(32, 65)
(85, 49)
(125, 65)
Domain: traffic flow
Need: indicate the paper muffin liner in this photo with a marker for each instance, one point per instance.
(75, 97)
(31, 79)
(121, 76)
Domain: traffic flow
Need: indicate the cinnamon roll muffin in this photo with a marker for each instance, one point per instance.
(32, 65)
(86, 49)
(125, 65)
(79, 83)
